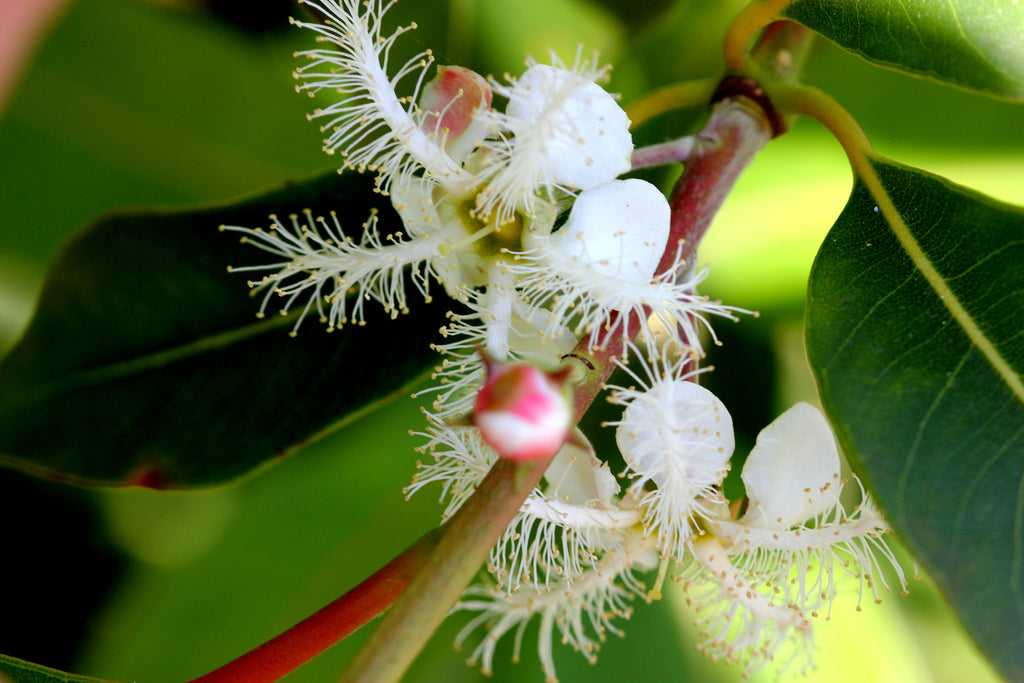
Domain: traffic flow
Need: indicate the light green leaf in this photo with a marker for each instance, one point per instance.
(145, 363)
(973, 44)
(916, 335)
(18, 671)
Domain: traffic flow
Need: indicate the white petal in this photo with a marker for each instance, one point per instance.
(792, 474)
(535, 336)
(679, 435)
(576, 475)
(620, 229)
(584, 133)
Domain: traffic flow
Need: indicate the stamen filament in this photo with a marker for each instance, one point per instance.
(446, 249)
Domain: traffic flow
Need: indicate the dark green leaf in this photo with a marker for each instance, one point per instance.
(145, 363)
(973, 44)
(919, 356)
(17, 671)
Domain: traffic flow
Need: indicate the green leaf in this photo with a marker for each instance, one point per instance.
(145, 363)
(18, 671)
(916, 335)
(973, 44)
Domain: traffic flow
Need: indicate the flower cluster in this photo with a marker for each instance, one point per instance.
(756, 575)
(520, 213)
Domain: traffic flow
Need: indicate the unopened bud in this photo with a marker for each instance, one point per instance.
(522, 412)
(453, 101)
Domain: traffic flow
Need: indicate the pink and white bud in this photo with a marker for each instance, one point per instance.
(453, 102)
(522, 412)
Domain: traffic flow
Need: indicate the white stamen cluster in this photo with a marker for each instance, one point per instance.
(479, 197)
(678, 436)
(372, 127)
(325, 268)
(588, 605)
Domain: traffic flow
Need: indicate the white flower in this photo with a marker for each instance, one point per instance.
(793, 472)
(618, 229)
(560, 131)
(677, 435)
(756, 582)
(598, 270)
(775, 568)
(469, 182)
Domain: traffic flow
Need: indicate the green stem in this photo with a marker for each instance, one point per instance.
(468, 539)
(754, 17)
(288, 651)
(669, 98)
(734, 133)
(803, 99)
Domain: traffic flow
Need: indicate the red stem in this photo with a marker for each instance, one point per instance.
(286, 652)
(737, 129)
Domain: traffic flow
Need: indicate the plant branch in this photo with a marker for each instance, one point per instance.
(469, 537)
(737, 129)
(676, 151)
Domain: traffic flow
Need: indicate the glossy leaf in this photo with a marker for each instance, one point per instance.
(145, 363)
(973, 44)
(18, 671)
(916, 335)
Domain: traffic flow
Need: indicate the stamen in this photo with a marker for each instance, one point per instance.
(655, 593)
(446, 249)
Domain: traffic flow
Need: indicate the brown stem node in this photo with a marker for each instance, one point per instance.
(732, 87)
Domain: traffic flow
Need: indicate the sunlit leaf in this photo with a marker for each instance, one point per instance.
(973, 44)
(145, 363)
(17, 671)
(916, 335)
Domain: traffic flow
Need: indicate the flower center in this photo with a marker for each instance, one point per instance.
(488, 237)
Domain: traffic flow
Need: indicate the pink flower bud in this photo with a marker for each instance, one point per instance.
(453, 101)
(522, 412)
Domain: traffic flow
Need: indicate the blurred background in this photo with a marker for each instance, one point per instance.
(120, 103)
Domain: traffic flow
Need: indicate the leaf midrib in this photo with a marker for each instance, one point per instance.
(938, 284)
(151, 361)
